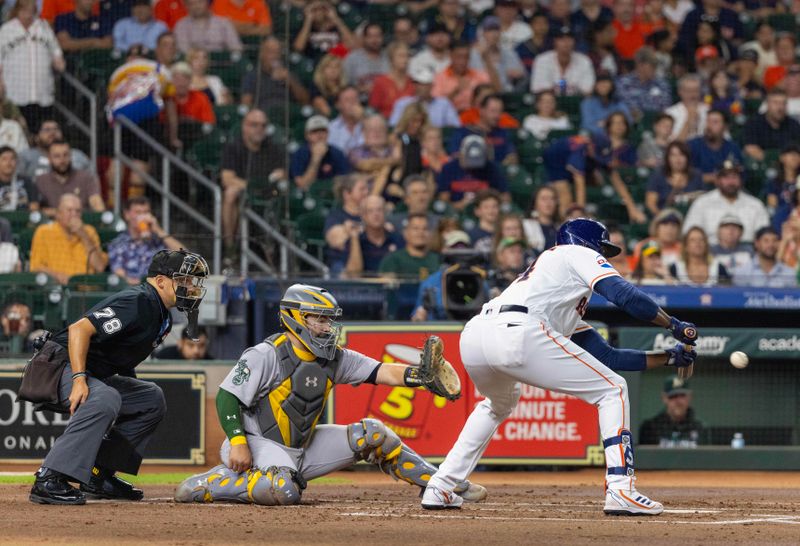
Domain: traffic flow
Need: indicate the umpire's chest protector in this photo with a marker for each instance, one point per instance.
(289, 413)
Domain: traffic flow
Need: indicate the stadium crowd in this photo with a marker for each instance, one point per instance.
(429, 132)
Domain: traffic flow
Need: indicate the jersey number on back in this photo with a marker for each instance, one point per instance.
(582, 305)
(109, 326)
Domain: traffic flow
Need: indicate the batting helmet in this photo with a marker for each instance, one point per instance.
(301, 300)
(589, 233)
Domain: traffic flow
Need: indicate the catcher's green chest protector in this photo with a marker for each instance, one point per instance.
(289, 413)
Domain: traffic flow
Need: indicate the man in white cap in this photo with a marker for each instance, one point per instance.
(730, 250)
(441, 112)
(316, 159)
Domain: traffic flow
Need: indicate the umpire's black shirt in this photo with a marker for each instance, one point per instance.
(129, 324)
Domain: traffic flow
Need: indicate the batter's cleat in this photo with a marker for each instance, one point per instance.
(439, 499)
(111, 488)
(630, 503)
(50, 487)
(470, 492)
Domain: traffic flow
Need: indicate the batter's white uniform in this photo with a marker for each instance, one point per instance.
(500, 350)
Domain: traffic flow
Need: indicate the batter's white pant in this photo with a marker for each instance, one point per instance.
(502, 350)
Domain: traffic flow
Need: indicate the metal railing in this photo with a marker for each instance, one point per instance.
(169, 161)
(90, 129)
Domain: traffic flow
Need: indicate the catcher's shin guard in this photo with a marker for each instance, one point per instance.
(374, 442)
(270, 487)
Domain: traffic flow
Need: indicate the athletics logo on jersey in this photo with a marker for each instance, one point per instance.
(602, 262)
(241, 373)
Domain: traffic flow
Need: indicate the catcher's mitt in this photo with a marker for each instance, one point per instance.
(434, 372)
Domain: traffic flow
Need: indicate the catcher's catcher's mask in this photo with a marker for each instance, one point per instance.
(301, 300)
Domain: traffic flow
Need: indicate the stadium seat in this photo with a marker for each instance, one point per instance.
(95, 66)
(77, 303)
(229, 117)
(21, 219)
(230, 67)
(310, 232)
(39, 291)
(520, 184)
(97, 282)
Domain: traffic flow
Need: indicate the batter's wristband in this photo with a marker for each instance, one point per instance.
(238, 440)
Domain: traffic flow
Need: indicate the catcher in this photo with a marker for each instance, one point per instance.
(270, 402)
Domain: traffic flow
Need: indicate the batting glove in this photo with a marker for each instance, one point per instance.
(685, 332)
(680, 357)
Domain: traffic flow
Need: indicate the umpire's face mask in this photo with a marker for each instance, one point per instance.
(189, 292)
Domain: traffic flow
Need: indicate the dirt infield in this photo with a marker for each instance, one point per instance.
(367, 507)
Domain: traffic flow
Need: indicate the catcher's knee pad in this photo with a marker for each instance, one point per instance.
(620, 457)
(373, 441)
(276, 485)
(409, 467)
(218, 484)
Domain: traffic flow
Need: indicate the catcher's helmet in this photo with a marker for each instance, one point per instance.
(188, 270)
(589, 233)
(300, 300)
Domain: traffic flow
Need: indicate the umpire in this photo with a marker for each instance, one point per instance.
(113, 413)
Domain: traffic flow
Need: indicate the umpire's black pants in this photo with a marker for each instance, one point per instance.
(110, 429)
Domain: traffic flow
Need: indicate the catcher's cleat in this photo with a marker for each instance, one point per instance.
(439, 499)
(630, 503)
(471, 492)
(111, 488)
(51, 487)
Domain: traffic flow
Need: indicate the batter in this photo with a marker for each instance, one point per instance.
(533, 333)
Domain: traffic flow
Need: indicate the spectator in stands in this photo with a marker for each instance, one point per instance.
(744, 73)
(663, 43)
(9, 110)
(140, 28)
(187, 348)
(650, 269)
(676, 425)
(772, 129)
(166, 51)
(315, 160)
(728, 21)
(79, 29)
(510, 225)
(547, 117)
(603, 102)
(376, 157)
(722, 95)
(622, 261)
(249, 17)
(707, 56)
(730, 250)
(498, 60)
(488, 127)
(440, 110)
(131, 252)
(404, 30)
(791, 84)
(12, 134)
(728, 198)
(432, 153)
(652, 149)
(541, 224)
(630, 30)
(471, 116)
(789, 249)
(513, 30)
(29, 53)
(763, 46)
(457, 82)
(508, 263)
(690, 112)
(697, 266)
(781, 186)
(350, 190)
(346, 130)
(452, 17)
(388, 87)
(34, 161)
(265, 87)
(435, 56)
(16, 192)
(194, 108)
(362, 65)
(63, 178)
(406, 142)
(563, 70)
(16, 321)
(710, 151)
(252, 155)
(539, 42)
(430, 303)
(765, 269)
(327, 82)
(665, 229)
(588, 15)
(369, 246)
(601, 50)
(322, 31)
(67, 246)
(559, 12)
(641, 89)
(202, 29)
(677, 182)
(169, 12)
(470, 172)
(209, 84)
(487, 211)
(417, 198)
(416, 260)
(785, 47)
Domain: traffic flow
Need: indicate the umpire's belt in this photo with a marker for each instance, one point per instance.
(507, 309)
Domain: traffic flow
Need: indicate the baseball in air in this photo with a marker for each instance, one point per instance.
(739, 359)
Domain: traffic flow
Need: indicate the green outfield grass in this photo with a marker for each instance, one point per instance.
(165, 478)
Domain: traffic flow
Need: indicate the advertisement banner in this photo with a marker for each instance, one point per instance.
(545, 427)
(27, 435)
(685, 297)
(771, 343)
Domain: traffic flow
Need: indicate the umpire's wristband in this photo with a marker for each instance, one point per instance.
(76, 375)
(412, 378)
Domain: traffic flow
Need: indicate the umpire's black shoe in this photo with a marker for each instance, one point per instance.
(51, 487)
(111, 488)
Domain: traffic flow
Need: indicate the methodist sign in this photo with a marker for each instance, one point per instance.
(545, 428)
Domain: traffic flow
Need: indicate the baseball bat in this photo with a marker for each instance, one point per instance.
(686, 372)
